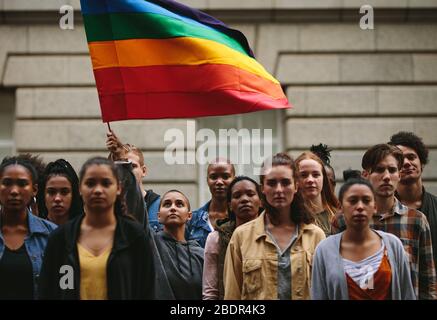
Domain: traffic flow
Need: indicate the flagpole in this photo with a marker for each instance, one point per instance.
(109, 126)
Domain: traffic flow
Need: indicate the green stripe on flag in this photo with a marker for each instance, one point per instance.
(123, 26)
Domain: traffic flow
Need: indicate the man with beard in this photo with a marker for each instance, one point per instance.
(411, 191)
(220, 174)
(381, 165)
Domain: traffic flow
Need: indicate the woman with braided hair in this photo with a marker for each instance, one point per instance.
(58, 193)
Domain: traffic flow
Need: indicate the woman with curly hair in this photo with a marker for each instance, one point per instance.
(244, 205)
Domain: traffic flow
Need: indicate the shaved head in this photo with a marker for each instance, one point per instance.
(221, 161)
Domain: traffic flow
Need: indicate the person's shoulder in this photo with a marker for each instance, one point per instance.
(195, 247)
(213, 236)
(199, 213)
(429, 194)
(329, 244)
(212, 242)
(248, 225)
(159, 236)
(132, 229)
(152, 198)
(412, 213)
(50, 226)
(390, 239)
(249, 231)
(131, 224)
(312, 228)
(420, 217)
(431, 197)
(203, 208)
(58, 237)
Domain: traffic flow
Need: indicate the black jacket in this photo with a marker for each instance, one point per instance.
(429, 208)
(130, 269)
(132, 192)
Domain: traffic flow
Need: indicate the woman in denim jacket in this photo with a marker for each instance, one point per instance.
(23, 236)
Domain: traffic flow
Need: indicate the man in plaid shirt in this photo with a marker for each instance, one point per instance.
(411, 191)
(381, 165)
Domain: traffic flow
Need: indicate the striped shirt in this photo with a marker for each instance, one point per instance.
(362, 271)
(412, 228)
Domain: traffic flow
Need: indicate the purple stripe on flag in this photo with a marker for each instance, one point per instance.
(206, 19)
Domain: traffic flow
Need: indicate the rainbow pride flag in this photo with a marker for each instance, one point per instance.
(162, 59)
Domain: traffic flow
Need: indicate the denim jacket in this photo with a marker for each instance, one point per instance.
(35, 243)
(198, 227)
(153, 216)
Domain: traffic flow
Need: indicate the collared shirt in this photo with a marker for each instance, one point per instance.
(251, 264)
(429, 209)
(284, 266)
(35, 243)
(412, 228)
(199, 226)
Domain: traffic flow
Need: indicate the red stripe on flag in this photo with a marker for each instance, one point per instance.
(184, 105)
(195, 79)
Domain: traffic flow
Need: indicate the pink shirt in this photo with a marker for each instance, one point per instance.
(210, 286)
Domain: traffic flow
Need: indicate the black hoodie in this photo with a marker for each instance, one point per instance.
(183, 264)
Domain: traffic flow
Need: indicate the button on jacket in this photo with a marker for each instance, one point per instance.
(251, 264)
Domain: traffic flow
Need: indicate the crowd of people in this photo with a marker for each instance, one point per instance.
(100, 235)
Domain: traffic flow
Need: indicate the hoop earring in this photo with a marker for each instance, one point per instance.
(34, 199)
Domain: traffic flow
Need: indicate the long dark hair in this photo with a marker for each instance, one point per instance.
(237, 179)
(120, 207)
(298, 212)
(61, 168)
